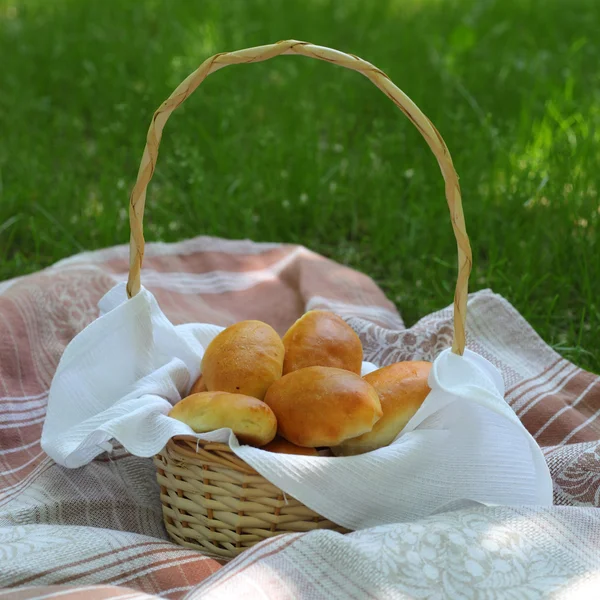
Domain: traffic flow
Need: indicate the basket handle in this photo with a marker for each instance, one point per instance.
(377, 77)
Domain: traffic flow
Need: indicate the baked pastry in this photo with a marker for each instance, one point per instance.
(252, 421)
(199, 386)
(246, 358)
(402, 388)
(282, 446)
(321, 338)
(323, 406)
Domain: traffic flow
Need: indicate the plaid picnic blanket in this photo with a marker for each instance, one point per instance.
(96, 532)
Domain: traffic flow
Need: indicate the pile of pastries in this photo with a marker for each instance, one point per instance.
(303, 393)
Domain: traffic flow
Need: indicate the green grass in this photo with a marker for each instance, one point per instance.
(300, 151)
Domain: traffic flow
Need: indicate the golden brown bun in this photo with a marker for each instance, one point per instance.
(402, 388)
(321, 338)
(246, 358)
(282, 446)
(323, 406)
(252, 421)
(199, 386)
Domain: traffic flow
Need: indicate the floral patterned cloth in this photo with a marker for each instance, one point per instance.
(96, 532)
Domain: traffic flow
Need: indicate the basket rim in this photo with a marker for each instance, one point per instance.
(184, 442)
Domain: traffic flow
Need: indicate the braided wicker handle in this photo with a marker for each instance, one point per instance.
(381, 80)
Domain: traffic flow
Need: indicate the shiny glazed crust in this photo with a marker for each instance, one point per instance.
(252, 421)
(246, 358)
(402, 388)
(323, 406)
(321, 338)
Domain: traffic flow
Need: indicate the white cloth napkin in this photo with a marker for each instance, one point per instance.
(120, 376)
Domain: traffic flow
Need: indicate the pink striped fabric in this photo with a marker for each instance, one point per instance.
(96, 532)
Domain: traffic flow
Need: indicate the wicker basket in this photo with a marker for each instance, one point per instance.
(212, 500)
(215, 502)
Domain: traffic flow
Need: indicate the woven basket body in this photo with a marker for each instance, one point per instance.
(214, 502)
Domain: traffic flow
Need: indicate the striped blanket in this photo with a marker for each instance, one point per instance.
(96, 532)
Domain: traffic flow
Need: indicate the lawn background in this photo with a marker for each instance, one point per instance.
(300, 151)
